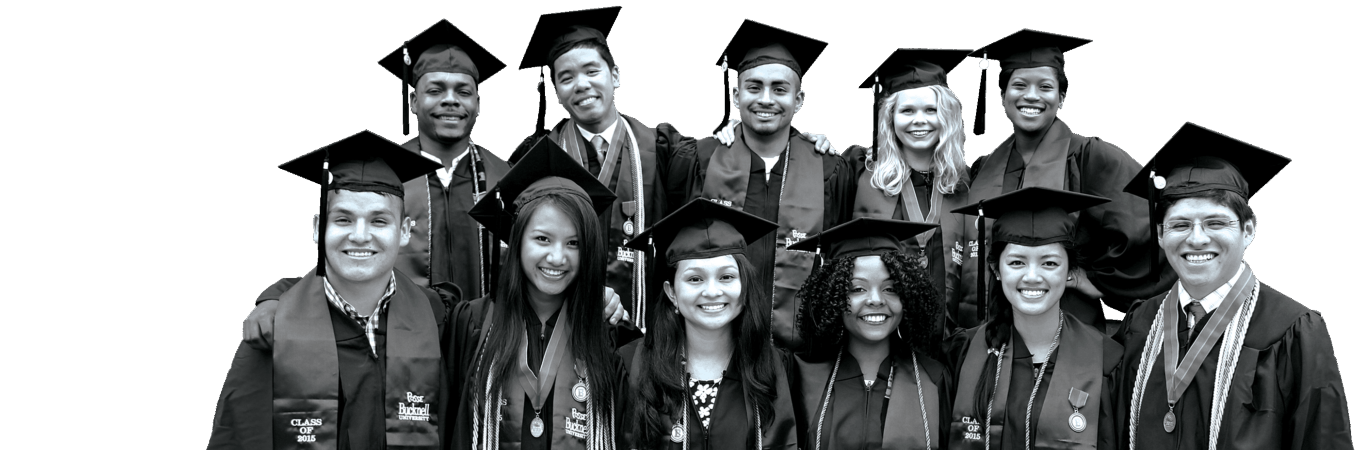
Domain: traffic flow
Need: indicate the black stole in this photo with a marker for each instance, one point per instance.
(1081, 367)
(306, 369)
(801, 213)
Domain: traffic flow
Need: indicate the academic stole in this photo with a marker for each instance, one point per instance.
(1080, 371)
(872, 202)
(801, 213)
(629, 212)
(1164, 336)
(480, 181)
(306, 370)
(908, 423)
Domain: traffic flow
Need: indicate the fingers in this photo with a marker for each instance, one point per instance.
(613, 306)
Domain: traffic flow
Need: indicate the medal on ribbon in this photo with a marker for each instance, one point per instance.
(536, 427)
(629, 210)
(1170, 420)
(1077, 400)
(579, 392)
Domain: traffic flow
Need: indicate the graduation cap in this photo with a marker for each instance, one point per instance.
(364, 162)
(863, 236)
(1023, 50)
(1197, 159)
(702, 229)
(756, 44)
(910, 68)
(441, 48)
(546, 168)
(1030, 217)
(559, 33)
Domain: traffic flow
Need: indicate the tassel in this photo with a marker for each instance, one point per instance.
(876, 88)
(542, 102)
(320, 224)
(1152, 197)
(978, 128)
(405, 91)
(981, 299)
(725, 91)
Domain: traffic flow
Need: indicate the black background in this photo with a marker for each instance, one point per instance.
(283, 84)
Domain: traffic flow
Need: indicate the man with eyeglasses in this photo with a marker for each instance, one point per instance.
(1222, 360)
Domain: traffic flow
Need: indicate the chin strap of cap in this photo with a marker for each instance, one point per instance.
(726, 101)
(978, 128)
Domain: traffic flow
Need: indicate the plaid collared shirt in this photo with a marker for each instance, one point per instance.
(368, 322)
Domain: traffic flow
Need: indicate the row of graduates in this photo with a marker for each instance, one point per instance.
(918, 146)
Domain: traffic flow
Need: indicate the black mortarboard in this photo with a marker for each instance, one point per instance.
(559, 33)
(1023, 50)
(1197, 159)
(1030, 217)
(441, 48)
(756, 44)
(545, 168)
(364, 162)
(909, 68)
(702, 229)
(862, 237)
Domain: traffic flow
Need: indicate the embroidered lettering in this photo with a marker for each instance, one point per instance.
(973, 429)
(626, 254)
(794, 237)
(577, 424)
(416, 410)
(726, 203)
(957, 253)
(973, 246)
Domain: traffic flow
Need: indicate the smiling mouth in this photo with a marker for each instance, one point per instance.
(873, 319)
(1032, 293)
(764, 115)
(1030, 110)
(587, 101)
(719, 307)
(920, 134)
(552, 273)
(1199, 258)
(359, 253)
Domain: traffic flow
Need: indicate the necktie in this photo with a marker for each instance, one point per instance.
(600, 146)
(1195, 313)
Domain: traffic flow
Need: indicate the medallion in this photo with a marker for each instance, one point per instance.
(1170, 421)
(1077, 422)
(536, 427)
(677, 433)
(579, 392)
(627, 228)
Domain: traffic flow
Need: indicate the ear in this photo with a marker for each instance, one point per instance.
(669, 291)
(735, 97)
(316, 228)
(412, 103)
(617, 80)
(406, 224)
(1248, 228)
(1062, 103)
(801, 98)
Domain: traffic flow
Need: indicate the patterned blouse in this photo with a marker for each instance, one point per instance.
(704, 398)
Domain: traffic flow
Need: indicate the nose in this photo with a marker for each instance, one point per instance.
(450, 99)
(361, 233)
(1030, 93)
(556, 255)
(875, 297)
(1197, 236)
(765, 97)
(711, 289)
(1030, 275)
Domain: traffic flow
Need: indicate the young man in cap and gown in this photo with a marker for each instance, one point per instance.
(356, 361)
(1222, 360)
(1043, 151)
(770, 170)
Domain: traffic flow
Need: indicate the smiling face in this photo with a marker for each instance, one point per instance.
(550, 252)
(768, 96)
(916, 120)
(584, 86)
(364, 232)
(1031, 98)
(1033, 278)
(706, 291)
(446, 105)
(874, 306)
(1204, 258)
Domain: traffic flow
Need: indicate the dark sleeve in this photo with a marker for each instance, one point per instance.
(276, 290)
(1313, 393)
(525, 145)
(1109, 437)
(841, 186)
(676, 159)
(623, 399)
(976, 166)
(1120, 336)
(856, 156)
(245, 406)
(463, 336)
(1120, 250)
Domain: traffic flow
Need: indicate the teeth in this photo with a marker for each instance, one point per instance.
(874, 319)
(1030, 110)
(358, 253)
(1032, 293)
(1202, 257)
(714, 308)
(552, 273)
(587, 102)
(764, 114)
(919, 133)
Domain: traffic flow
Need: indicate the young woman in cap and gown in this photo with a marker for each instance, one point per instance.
(535, 355)
(868, 313)
(357, 363)
(916, 171)
(1033, 377)
(707, 375)
(1223, 360)
(1112, 238)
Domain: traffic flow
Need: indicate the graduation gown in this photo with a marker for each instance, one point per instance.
(952, 276)
(1286, 392)
(688, 172)
(1115, 239)
(857, 417)
(446, 244)
(243, 419)
(732, 419)
(1021, 387)
(653, 152)
(466, 321)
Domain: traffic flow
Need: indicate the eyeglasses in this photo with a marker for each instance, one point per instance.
(1173, 227)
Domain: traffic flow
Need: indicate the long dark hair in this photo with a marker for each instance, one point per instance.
(662, 378)
(825, 299)
(588, 340)
(1001, 325)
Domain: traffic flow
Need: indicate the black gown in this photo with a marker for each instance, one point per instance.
(465, 322)
(243, 419)
(1286, 392)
